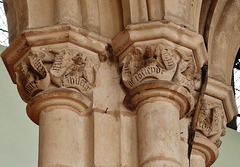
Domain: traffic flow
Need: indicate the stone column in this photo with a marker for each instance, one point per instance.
(159, 105)
(65, 128)
(155, 54)
(211, 124)
(204, 152)
(210, 127)
(159, 84)
(160, 64)
(57, 84)
(56, 81)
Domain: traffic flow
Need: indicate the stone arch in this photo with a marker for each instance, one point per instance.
(17, 16)
(207, 9)
(223, 40)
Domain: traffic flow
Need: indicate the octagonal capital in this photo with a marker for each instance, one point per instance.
(47, 36)
(169, 32)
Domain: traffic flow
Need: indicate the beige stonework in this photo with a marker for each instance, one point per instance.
(115, 83)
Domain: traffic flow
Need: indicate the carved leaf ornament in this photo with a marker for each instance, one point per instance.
(67, 70)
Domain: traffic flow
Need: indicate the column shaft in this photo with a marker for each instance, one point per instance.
(158, 134)
(197, 161)
(65, 138)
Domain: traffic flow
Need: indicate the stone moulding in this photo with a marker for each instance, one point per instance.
(58, 98)
(209, 149)
(162, 89)
(159, 30)
(52, 35)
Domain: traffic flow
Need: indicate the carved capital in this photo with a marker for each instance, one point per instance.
(223, 92)
(158, 62)
(46, 68)
(212, 121)
(152, 32)
(159, 52)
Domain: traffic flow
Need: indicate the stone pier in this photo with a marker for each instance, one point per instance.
(114, 83)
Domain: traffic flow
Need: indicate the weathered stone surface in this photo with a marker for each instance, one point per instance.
(212, 121)
(114, 83)
(158, 62)
(67, 68)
